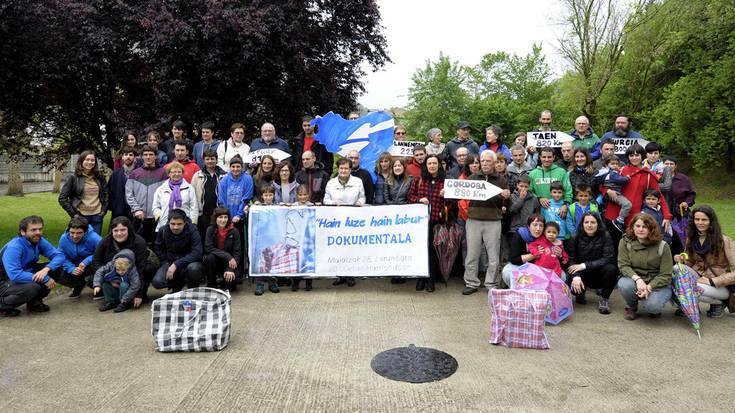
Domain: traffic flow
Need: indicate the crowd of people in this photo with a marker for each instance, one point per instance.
(597, 219)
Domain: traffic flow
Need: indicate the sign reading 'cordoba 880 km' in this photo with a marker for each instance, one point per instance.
(469, 189)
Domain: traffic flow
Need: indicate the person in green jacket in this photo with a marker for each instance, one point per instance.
(546, 173)
(645, 263)
(585, 137)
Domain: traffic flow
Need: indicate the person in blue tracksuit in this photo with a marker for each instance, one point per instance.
(77, 244)
(23, 280)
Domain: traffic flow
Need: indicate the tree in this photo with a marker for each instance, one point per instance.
(94, 68)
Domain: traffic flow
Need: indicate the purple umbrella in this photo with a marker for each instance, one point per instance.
(447, 241)
(687, 293)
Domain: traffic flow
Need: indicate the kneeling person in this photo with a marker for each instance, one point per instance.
(223, 251)
(77, 244)
(179, 248)
(119, 282)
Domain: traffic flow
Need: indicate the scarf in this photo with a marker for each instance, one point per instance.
(525, 233)
(701, 249)
(221, 235)
(175, 200)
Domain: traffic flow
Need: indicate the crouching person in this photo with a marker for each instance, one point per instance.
(78, 244)
(23, 280)
(222, 251)
(179, 249)
(119, 282)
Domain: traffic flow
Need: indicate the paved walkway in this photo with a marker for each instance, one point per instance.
(311, 352)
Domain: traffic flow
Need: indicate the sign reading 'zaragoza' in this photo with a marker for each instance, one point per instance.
(373, 241)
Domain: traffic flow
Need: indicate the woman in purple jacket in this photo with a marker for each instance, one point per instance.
(681, 195)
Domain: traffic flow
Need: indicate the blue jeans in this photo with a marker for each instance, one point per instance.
(655, 302)
(114, 294)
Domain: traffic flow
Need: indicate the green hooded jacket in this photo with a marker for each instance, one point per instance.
(541, 182)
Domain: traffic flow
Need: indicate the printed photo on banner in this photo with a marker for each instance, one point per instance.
(552, 139)
(281, 240)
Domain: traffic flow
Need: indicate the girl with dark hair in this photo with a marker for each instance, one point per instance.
(518, 253)
(264, 174)
(128, 140)
(222, 251)
(284, 183)
(640, 180)
(581, 171)
(592, 261)
(429, 190)
(645, 263)
(397, 184)
(710, 255)
(85, 192)
(382, 172)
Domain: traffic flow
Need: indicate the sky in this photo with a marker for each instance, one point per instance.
(464, 30)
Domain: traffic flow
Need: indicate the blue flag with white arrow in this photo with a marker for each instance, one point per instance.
(370, 135)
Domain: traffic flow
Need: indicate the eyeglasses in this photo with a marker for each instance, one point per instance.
(400, 133)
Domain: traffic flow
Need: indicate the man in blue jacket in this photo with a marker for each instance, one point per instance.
(77, 244)
(179, 248)
(22, 278)
(269, 140)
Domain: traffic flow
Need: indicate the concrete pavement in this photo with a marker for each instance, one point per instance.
(311, 351)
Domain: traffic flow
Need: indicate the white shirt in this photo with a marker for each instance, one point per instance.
(352, 193)
(232, 149)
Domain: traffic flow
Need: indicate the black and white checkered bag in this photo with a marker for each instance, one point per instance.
(197, 319)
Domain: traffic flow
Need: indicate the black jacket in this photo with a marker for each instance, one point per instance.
(232, 244)
(516, 249)
(594, 252)
(315, 179)
(180, 249)
(367, 183)
(72, 191)
(320, 152)
(107, 248)
(118, 201)
(169, 145)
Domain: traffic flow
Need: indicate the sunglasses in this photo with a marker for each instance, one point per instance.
(400, 133)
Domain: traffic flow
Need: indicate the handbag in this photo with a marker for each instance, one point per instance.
(197, 319)
(518, 318)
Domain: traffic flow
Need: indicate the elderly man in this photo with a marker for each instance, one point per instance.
(364, 175)
(312, 176)
(399, 133)
(305, 142)
(461, 158)
(269, 140)
(484, 226)
(584, 137)
(567, 155)
(462, 140)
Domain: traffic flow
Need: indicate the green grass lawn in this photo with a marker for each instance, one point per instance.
(46, 205)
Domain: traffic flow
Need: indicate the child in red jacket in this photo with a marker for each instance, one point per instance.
(550, 250)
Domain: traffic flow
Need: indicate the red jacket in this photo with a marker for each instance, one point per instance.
(413, 169)
(640, 180)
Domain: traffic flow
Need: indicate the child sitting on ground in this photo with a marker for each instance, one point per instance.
(555, 205)
(119, 282)
(577, 209)
(612, 180)
(550, 251)
(651, 198)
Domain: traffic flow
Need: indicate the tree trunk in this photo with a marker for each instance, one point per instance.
(15, 183)
(58, 175)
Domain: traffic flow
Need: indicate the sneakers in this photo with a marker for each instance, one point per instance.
(309, 285)
(123, 307)
(469, 290)
(98, 296)
(76, 292)
(581, 299)
(603, 307)
(274, 288)
(619, 225)
(629, 313)
(9, 312)
(37, 307)
(108, 305)
(259, 289)
(715, 311)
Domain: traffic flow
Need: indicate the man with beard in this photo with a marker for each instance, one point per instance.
(312, 176)
(607, 149)
(544, 121)
(305, 142)
(623, 130)
(22, 278)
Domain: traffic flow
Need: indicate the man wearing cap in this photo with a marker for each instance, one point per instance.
(462, 140)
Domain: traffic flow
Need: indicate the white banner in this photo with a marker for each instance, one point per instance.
(373, 241)
(469, 189)
(622, 144)
(403, 148)
(547, 139)
(258, 155)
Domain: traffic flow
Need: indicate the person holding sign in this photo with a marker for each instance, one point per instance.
(544, 175)
(429, 190)
(484, 226)
(344, 189)
(269, 140)
(623, 131)
(399, 133)
(233, 146)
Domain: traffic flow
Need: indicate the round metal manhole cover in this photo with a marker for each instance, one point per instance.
(414, 364)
